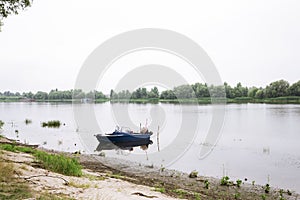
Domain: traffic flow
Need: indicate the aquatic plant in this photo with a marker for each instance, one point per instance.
(263, 197)
(238, 183)
(52, 124)
(1, 123)
(267, 188)
(225, 181)
(28, 121)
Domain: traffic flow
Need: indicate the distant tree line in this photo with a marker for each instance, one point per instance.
(275, 89)
(55, 95)
(280, 88)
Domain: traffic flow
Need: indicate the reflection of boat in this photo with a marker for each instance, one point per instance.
(125, 135)
(108, 145)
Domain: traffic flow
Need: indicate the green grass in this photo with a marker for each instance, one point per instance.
(197, 196)
(53, 162)
(180, 193)
(160, 189)
(59, 163)
(14, 148)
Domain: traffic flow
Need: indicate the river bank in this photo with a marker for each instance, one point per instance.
(204, 100)
(135, 179)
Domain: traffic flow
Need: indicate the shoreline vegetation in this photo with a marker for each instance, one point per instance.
(207, 100)
(28, 171)
(278, 92)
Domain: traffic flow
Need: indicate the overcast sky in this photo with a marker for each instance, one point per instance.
(254, 42)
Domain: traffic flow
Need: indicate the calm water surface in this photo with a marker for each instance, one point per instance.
(259, 142)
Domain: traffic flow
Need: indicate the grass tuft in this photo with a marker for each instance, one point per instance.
(160, 189)
(59, 163)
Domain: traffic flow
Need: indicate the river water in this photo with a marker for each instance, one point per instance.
(260, 142)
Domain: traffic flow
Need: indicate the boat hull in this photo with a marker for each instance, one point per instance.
(127, 138)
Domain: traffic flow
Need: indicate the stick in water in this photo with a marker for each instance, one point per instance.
(158, 138)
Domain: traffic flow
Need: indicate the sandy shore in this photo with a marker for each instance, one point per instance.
(109, 178)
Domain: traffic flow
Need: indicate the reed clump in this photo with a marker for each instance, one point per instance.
(52, 124)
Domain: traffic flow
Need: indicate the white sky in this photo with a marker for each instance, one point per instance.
(254, 42)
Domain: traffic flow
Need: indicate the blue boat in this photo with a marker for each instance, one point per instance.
(125, 135)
